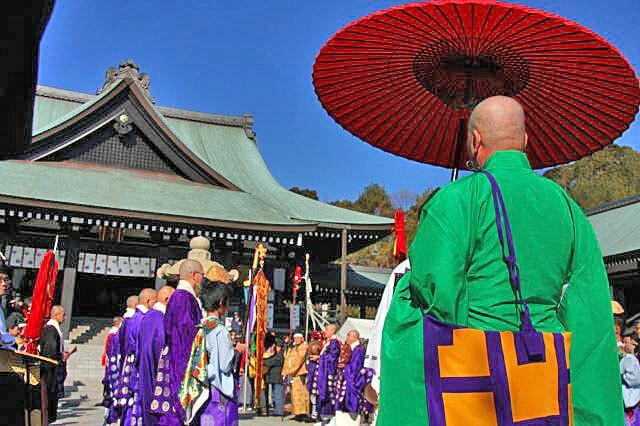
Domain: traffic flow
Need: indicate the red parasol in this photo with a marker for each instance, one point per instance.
(41, 301)
(405, 79)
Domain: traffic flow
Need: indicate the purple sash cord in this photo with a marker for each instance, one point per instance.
(533, 340)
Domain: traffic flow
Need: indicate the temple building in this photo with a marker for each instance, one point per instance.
(125, 184)
(617, 227)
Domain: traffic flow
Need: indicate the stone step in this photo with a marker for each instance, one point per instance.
(100, 338)
(78, 331)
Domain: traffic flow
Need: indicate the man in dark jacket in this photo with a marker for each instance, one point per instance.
(274, 377)
(52, 346)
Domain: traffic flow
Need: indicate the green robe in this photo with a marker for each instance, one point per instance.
(458, 275)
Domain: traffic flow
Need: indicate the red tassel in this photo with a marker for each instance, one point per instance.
(400, 242)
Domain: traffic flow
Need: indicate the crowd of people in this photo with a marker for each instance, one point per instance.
(170, 360)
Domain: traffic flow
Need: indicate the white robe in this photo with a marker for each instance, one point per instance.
(372, 357)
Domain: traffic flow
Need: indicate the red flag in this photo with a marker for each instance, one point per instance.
(41, 301)
(400, 241)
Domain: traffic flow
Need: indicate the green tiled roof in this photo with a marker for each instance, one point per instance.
(109, 188)
(47, 113)
(617, 226)
(227, 149)
(48, 110)
(231, 153)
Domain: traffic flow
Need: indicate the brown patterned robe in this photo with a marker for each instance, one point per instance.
(296, 369)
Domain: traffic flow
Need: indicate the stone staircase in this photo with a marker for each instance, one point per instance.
(89, 330)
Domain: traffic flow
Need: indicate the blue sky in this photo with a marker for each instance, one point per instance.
(234, 57)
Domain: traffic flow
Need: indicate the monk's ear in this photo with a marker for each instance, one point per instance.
(476, 141)
(526, 142)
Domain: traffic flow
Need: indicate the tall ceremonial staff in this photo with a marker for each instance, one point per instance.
(250, 318)
(311, 314)
(297, 279)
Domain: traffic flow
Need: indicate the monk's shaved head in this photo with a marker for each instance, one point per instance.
(352, 336)
(192, 272)
(498, 124)
(117, 321)
(147, 297)
(330, 330)
(188, 266)
(165, 293)
(132, 302)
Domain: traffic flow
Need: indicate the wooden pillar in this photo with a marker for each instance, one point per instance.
(69, 281)
(343, 275)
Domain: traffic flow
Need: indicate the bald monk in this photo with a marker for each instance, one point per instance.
(150, 344)
(326, 375)
(184, 313)
(128, 385)
(132, 302)
(458, 273)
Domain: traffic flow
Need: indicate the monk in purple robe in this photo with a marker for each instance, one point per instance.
(127, 390)
(354, 381)
(326, 375)
(111, 372)
(183, 314)
(132, 302)
(119, 403)
(150, 344)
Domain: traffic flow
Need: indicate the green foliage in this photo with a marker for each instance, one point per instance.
(373, 200)
(607, 175)
(306, 192)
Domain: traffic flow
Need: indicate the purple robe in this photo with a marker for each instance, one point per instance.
(326, 375)
(127, 389)
(632, 416)
(219, 410)
(366, 407)
(150, 344)
(111, 376)
(180, 321)
(354, 381)
(311, 377)
(122, 331)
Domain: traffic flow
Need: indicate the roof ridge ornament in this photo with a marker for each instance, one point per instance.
(129, 69)
(248, 126)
